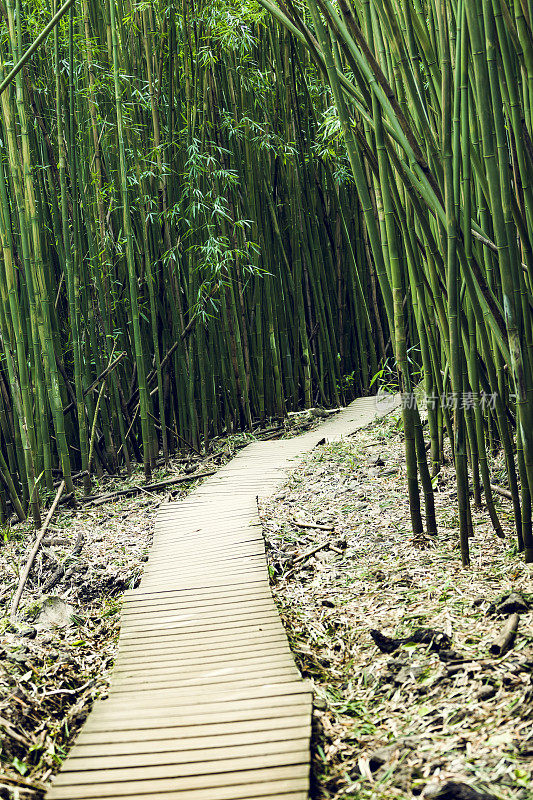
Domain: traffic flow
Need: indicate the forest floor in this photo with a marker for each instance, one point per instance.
(56, 660)
(386, 726)
(413, 722)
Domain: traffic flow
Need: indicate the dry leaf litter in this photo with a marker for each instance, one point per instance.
(385, 726)
(411, 723)
(56, 660)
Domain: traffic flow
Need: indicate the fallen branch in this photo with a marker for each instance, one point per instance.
(10, 780)
(34, 551)
(148, 487)
(437, 640)
(10, 730)
(96, 381)
(58, 573)
(68, 499)
(501, 491)
(311, 551)
(74, 477)
(110, 367)
(506, 638)
(152, 375)
(314, 525)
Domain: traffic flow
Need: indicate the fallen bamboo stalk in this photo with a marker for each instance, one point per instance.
(74, 477)
(59, 571)
(311, 551)
(504, 641)
(96, 381)
(501, 491)
(35, 549)
(149, 487)
(313, 525)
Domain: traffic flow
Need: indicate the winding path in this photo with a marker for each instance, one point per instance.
(205, 701)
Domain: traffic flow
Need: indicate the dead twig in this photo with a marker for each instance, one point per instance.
(34, 551)
(18, 737)
(313, 525)
(311, 551)
(97, 499)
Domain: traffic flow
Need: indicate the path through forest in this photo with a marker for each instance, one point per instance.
(192, 710)
(446, 718)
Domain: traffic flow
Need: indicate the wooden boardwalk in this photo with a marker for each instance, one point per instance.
(205, 701)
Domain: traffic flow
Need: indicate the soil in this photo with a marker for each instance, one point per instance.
(386, 726)
(51, 672)
(427, 719)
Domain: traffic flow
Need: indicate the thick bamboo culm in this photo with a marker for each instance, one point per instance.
(165, 212)
(435, 102)
(233, 209)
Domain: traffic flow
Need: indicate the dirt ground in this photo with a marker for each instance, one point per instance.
(55, 661)
(387, 726)
(411, 722)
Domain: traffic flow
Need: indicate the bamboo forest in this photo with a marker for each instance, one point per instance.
(266, 399)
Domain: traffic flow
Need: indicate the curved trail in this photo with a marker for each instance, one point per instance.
(205, 701)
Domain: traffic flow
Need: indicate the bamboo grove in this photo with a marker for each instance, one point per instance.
(435, 102)
(181, 254)
(214, 212)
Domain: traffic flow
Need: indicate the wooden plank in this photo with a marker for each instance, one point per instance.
(148, 609)
(232, 540)
(205, 702)
(158, 790)
(249, 727)
(237, 628)
(160, 720)
(245, 641)
(133, 596)
(280, 674)
(204, 580)
(189, 666)
(291, 776)
(173, 651)
(248, 660)
(180, 622)
(228, 793)
(220, 611)
(205, 699)
(237, 543)
(266, 740)
(245, 668)
(228, 546)
(236, 561)
(148, 772)
(144, 602)
(170, 755)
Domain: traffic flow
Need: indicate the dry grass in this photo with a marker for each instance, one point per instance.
(470, 721)
(50, 678)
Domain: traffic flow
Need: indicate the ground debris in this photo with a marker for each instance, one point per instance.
(458, 791)
(50, 675)
(53, 612)
(512, 603)
(435, 639)
(437, 716)
(506, 638)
